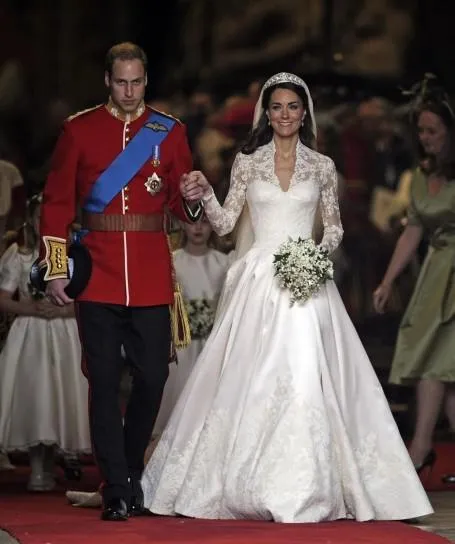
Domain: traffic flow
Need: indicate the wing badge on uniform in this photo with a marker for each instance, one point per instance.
(156, 127)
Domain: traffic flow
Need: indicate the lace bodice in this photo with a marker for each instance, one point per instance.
(277, 215)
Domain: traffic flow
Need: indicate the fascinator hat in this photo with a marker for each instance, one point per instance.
(428, 91)
(245, 235)
(284, 77)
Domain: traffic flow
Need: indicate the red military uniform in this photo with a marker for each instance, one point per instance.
(130, 268)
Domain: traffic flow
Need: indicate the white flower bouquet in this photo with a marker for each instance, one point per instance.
(302, 267)
(201, 315)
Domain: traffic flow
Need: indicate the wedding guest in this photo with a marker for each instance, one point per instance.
(43, 394)
(426, 340)
(200, 271)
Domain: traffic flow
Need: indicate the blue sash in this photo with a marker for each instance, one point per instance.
(127, 163)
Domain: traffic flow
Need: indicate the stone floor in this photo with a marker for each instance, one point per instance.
(442, 522)
(5, 538)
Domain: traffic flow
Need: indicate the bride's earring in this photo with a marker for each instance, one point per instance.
(303, 119)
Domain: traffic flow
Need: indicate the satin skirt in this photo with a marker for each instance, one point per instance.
(282, 418)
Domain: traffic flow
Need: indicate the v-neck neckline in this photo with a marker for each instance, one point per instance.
(298, 159)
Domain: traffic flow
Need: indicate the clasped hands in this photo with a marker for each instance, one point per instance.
(194, 186)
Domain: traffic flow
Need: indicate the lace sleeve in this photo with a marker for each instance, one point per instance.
(333, 230)
(223, 218)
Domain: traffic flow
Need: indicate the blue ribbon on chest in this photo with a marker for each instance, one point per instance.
(127, 163)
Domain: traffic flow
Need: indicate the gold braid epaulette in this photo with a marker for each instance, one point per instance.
(55, 258)
(165, 114)
(82, 112)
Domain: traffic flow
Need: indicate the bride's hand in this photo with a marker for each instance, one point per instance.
(381, 297)
(193, 186)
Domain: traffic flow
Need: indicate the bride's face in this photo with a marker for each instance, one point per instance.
(286, 112)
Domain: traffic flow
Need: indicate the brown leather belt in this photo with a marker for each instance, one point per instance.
(121, 223)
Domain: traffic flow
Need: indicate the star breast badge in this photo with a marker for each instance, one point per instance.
(153, 184)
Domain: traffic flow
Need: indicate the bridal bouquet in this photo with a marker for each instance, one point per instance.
(302, 267)
(201, 315)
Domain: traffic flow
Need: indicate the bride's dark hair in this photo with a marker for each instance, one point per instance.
(263, 133)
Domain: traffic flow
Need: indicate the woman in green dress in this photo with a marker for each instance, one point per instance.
(425, 349)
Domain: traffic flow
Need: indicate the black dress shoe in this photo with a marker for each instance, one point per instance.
(449, 479)
(137, 507)
(429, 461)
(72, 468)
(115, 510)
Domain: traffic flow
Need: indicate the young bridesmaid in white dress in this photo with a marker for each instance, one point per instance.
(200, 270)
(43, 394)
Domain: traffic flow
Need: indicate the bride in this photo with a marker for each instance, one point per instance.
(283, 417)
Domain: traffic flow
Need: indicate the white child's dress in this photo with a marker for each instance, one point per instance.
(200, 277)
(43, 393)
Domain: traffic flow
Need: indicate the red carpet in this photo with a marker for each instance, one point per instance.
(47, 519)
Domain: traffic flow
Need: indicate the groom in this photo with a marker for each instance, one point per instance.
(127, 298)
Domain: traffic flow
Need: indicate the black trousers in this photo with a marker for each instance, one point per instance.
(119, 443)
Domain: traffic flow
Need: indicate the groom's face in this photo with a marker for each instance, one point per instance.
(127, 84)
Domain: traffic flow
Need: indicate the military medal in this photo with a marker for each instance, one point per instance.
(153, 184)
(156, 156)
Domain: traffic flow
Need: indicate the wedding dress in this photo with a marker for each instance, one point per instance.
(283, 417)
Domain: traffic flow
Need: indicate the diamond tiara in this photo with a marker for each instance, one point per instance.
(284, 77)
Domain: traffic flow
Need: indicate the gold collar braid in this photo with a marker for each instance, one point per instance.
(125, 117)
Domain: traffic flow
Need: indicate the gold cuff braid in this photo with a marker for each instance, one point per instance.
(55, 258)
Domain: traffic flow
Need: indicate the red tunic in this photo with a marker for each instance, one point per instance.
(129, 268)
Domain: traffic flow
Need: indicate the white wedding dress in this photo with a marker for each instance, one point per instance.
(283, 417)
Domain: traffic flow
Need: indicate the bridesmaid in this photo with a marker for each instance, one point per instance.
(425, 349)
(40, 362)
(200, 271)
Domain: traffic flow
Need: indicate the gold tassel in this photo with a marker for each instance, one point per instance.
(180, 325)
